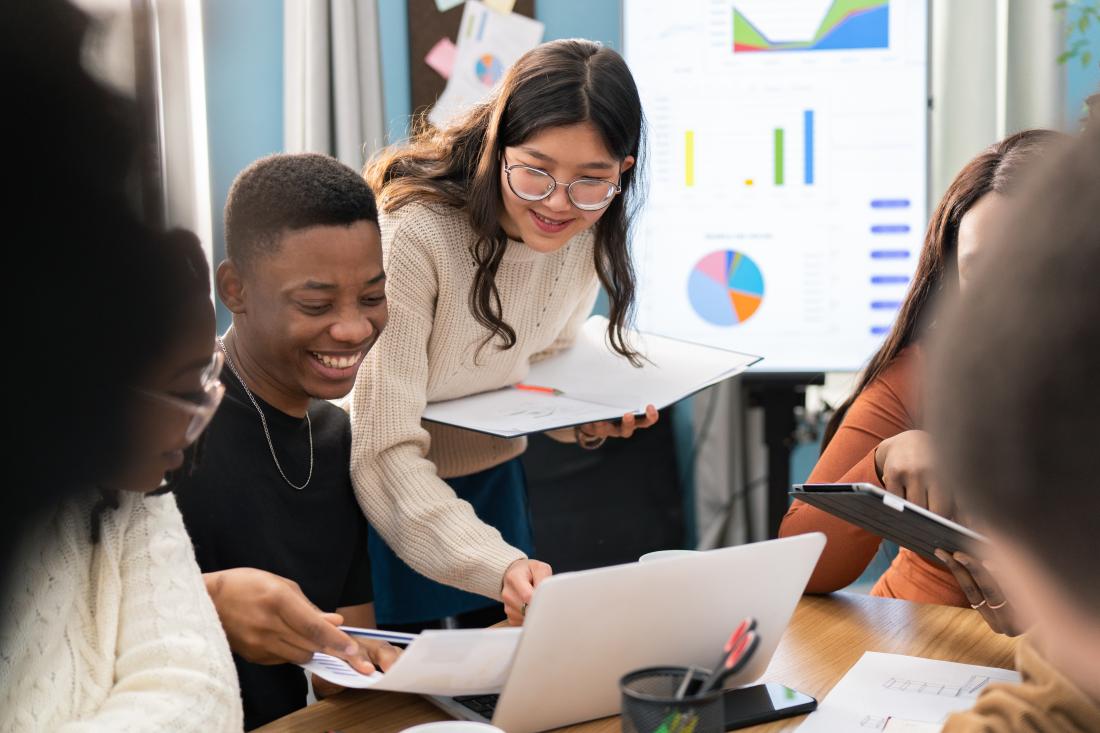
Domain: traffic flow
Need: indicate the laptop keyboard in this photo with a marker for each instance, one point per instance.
(483, 705)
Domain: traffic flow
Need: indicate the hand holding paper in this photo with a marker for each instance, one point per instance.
(460, 662)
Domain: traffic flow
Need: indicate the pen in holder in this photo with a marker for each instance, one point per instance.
(657, 700)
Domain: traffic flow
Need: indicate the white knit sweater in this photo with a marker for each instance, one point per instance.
(428, 353)
(114, 636)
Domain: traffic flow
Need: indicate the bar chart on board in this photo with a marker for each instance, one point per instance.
(787, 139)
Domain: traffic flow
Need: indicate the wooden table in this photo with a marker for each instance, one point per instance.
(826, 637)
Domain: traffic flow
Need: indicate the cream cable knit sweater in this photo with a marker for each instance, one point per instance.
(429, 353)
(115, 636)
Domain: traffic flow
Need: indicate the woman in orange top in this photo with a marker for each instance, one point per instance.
(875, 436)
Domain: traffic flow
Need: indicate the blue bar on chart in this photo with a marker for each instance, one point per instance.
(885, 305)
(889, 279)
(889, 203)
(889, 254)
(808, 145)
(880, 330)
(890, 229)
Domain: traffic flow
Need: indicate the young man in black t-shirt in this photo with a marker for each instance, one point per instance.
(271, 509)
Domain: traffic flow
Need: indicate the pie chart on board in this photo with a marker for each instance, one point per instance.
(725, 288)
(488, 69)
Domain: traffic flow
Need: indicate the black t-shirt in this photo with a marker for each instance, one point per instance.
(242, 513)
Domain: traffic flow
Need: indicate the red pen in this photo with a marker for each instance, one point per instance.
(742, 628)
(738, 640)
(736, 661)
(536, 388)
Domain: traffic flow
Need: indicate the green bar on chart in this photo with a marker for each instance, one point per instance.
(779, 156)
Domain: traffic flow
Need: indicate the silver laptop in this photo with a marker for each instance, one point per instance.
(587, 629)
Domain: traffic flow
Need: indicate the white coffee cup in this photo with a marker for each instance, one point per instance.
(453, 726)
(665, 554)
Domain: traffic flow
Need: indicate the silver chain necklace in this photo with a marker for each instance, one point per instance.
(263, 421)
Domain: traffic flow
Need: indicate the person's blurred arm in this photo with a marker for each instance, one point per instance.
(882, 410)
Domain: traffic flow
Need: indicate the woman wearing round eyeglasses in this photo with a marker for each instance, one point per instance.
(107, 623)
(497, 233)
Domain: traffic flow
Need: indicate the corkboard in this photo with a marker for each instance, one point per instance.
(426, 26)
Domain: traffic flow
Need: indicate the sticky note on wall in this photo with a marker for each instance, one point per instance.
(442, 57)
(501, 6)
(445, 5)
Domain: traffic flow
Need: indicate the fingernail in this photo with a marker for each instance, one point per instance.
(941, 554)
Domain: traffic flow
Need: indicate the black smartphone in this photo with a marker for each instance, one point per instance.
(763, 703)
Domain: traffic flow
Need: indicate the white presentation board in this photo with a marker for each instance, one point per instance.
(787, 172)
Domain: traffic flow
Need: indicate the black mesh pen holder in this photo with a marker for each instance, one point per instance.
(650, 704)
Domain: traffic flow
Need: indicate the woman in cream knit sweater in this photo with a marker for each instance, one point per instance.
(496, 233)
(106, 622)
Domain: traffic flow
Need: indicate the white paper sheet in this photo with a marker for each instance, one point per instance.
(883, 686)
(459, 662)
(488, 43)
(597, 384)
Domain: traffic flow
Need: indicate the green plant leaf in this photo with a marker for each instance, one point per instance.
(1086, 59)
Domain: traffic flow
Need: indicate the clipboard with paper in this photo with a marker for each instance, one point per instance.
(589, 382)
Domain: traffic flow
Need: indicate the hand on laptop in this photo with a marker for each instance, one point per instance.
(268, 620)
(520, 580)
(905, 463)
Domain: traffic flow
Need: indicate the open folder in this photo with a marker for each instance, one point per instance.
(590, 382)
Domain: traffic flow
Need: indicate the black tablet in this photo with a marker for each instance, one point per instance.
(891, 517)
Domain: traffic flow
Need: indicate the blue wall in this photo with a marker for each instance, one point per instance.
(1081, 81)
(393, 32)
(243, 43)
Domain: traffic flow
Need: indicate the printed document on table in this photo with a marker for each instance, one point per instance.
(457, 662)
(880, 687)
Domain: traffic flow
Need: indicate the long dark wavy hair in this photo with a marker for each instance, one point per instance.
(997, 169)
(556, 84)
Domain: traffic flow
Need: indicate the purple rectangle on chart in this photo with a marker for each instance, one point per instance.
(889, 203)
(890, 229)
(889, 279)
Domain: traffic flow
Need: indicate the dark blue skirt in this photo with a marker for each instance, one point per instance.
(403, 596)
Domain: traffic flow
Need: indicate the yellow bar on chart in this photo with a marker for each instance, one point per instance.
(689, 158)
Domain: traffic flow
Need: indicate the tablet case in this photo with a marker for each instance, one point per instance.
(891, 517)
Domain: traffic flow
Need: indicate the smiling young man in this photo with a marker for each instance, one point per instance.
(270, 508)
